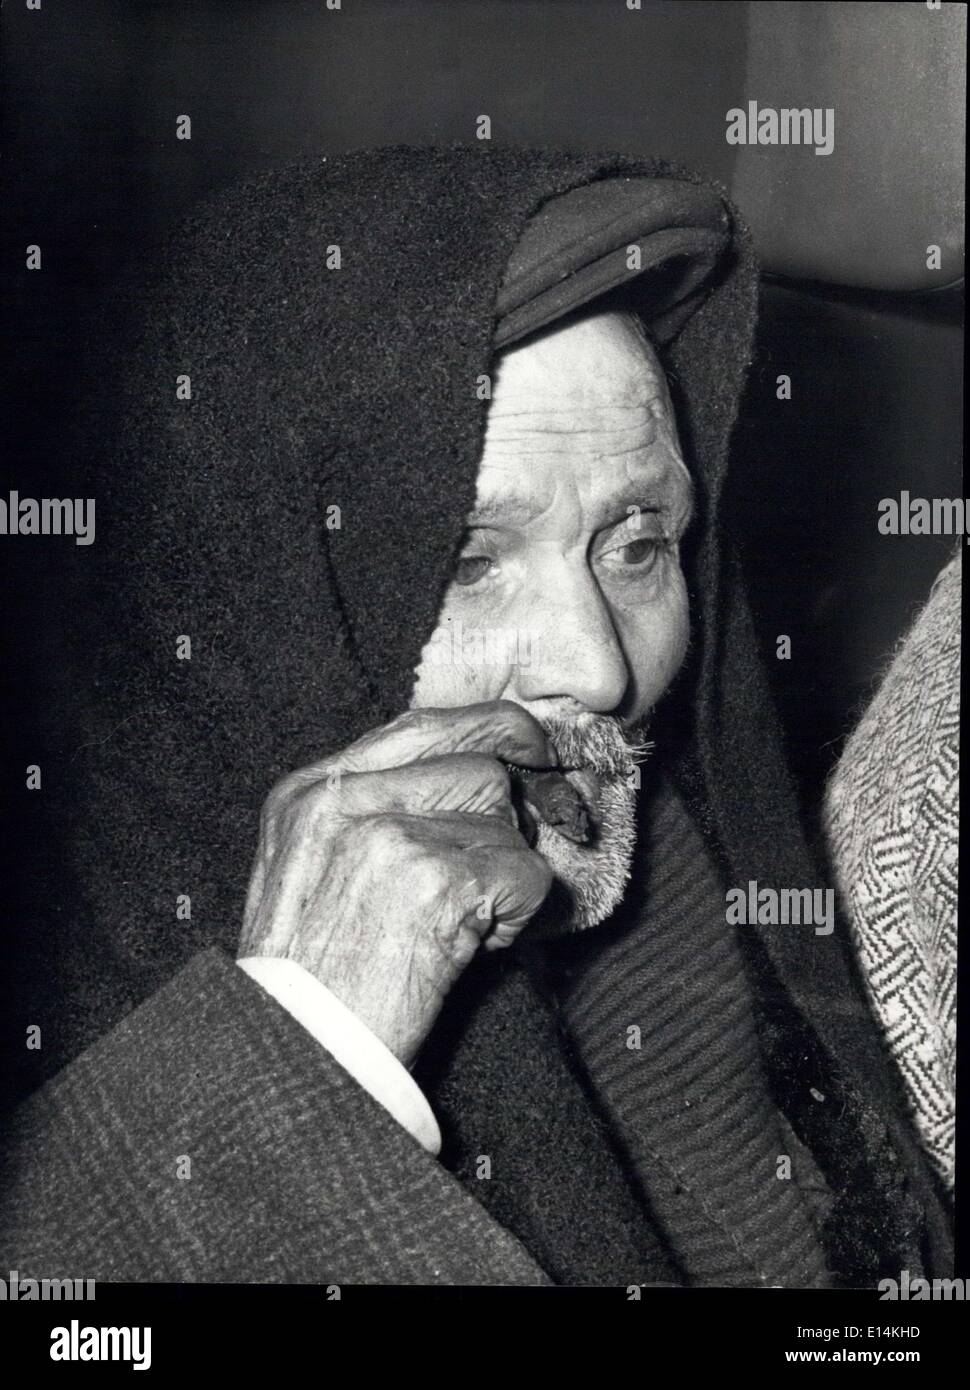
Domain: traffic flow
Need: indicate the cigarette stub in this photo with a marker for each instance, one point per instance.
(553, 800)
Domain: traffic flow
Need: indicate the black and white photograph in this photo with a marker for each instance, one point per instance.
(481, 555)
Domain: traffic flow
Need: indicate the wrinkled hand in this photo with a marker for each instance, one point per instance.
(382, 869)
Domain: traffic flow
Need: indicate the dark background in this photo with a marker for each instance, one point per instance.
(871, 339)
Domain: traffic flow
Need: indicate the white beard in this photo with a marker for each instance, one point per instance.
(590, 879)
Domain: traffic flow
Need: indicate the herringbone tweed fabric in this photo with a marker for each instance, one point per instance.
(892, 816)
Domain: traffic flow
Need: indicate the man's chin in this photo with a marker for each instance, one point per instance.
(589, 879)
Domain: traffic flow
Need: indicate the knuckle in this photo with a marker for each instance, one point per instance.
(411, 721)
(312, 798)
(505, 835)
(277, 800)
(486, 770)
(514, 713)
(306, 809)
(429, 878)
(422, 876)
(279, 793)
(369, 833)
(379, 836)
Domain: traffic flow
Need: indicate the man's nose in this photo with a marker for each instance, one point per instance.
(571, 649)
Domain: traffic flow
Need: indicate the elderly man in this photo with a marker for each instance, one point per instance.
(417, 547)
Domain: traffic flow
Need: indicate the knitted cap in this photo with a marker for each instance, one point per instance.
(663, 234)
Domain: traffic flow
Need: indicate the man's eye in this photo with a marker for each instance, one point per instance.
(469, 569)
(636, 552)
(639, 556)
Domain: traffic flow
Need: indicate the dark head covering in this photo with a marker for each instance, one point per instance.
(355, 387)
(661, 238)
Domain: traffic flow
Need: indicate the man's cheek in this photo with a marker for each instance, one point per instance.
(656, 650)
(459, 666)
(679, 627)
(678, 633)
(673, 628)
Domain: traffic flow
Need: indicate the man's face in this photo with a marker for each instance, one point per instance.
(568, 596)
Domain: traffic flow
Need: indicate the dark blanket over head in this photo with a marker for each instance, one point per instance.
(316, 387)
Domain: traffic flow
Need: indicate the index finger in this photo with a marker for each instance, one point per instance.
(498, 728)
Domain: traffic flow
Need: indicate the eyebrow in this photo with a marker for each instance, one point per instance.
(514, 512)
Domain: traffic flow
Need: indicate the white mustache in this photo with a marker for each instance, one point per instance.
(600, 742)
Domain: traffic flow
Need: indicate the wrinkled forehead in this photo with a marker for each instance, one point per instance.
(591, 391)
(598, 360)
